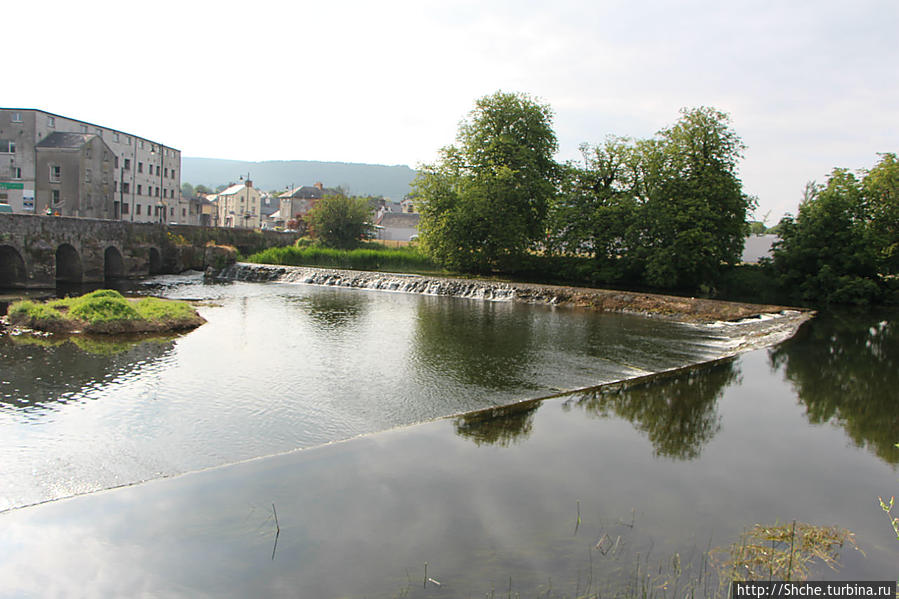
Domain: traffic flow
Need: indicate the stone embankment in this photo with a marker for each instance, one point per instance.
(680, 308)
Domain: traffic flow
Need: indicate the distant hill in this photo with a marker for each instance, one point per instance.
(361, 179)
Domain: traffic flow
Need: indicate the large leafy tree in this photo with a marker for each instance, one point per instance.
(484, 203)
(669, 210)
(694, 208)
(844, 239)
(339, 221)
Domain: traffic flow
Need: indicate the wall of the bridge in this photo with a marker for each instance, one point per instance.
(38, 251)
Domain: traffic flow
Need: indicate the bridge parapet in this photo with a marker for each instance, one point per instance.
(37, 251)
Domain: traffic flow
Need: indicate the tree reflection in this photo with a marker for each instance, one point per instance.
(486, 344)
(845, 369)
(679, 414)
(498, 426)
(333, 310)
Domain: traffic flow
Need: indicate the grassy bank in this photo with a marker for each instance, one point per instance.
(371, 257)
(104, 311)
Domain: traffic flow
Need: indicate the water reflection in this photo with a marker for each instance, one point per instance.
(679, 415)
(333, 310)
(44, 372)
(487, 344)
(503, 426)
(845, 369)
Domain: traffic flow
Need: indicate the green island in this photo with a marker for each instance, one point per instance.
(107, 312)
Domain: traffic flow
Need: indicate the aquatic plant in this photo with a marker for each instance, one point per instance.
(781, 552)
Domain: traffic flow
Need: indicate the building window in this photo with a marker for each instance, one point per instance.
(87, 175)
(100, 132)
(138, 189)
(165, 172)
(54, 194)
(55, 173)
(172, 211)
(126, 187)
(157, 192)
(124, 208)
(141, 144)
(115, 186)
(15, 117)
(116, 163)
(183, 213)
(16, 172)
(137, 210)
(140, 167)
(51, 121)
(84, 128)
(7, 146)
(127, 164)
(115, 136)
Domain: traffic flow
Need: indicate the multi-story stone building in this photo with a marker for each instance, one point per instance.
(50, 163)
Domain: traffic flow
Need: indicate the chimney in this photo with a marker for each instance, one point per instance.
(249, 183)
(319, 186)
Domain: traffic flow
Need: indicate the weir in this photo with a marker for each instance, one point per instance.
(748, 326)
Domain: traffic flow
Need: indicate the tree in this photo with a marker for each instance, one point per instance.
(694, 208)
(881, 188)
(596, 207)
(844, 238)
(484, 203)
(339, 221)
(668, 210)
(187, 190)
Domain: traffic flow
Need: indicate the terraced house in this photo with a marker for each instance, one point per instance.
(51, 164)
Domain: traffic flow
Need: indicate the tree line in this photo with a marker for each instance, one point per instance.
(666, 212)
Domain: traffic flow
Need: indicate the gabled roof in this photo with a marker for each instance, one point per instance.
(308, 192)
(232, 190)
(59, 139)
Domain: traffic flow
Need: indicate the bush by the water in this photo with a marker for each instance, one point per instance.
(407, 259)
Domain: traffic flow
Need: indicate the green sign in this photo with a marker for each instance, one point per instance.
(4, 185)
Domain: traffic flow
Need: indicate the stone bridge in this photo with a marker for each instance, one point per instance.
(39, 251)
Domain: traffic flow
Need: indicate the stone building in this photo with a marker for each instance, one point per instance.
(144, 181)
(74, 176)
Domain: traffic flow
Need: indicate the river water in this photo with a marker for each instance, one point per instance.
(285, 366)
(627, 489)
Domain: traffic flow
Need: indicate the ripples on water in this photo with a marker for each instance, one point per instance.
(282, 366)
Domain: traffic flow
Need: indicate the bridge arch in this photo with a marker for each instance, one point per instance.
(155, 262)
(68, 264)
(12, 267)
(113, 264)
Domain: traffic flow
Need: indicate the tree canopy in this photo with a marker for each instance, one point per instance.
(484, 203)
(339, 221)
(668, 210)
(844, 239)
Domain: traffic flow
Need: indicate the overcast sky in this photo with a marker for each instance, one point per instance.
(809, 85)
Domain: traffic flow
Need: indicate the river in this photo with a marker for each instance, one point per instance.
(590, 484)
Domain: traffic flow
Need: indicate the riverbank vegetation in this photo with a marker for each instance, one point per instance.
(104, 311)
(368, 256)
